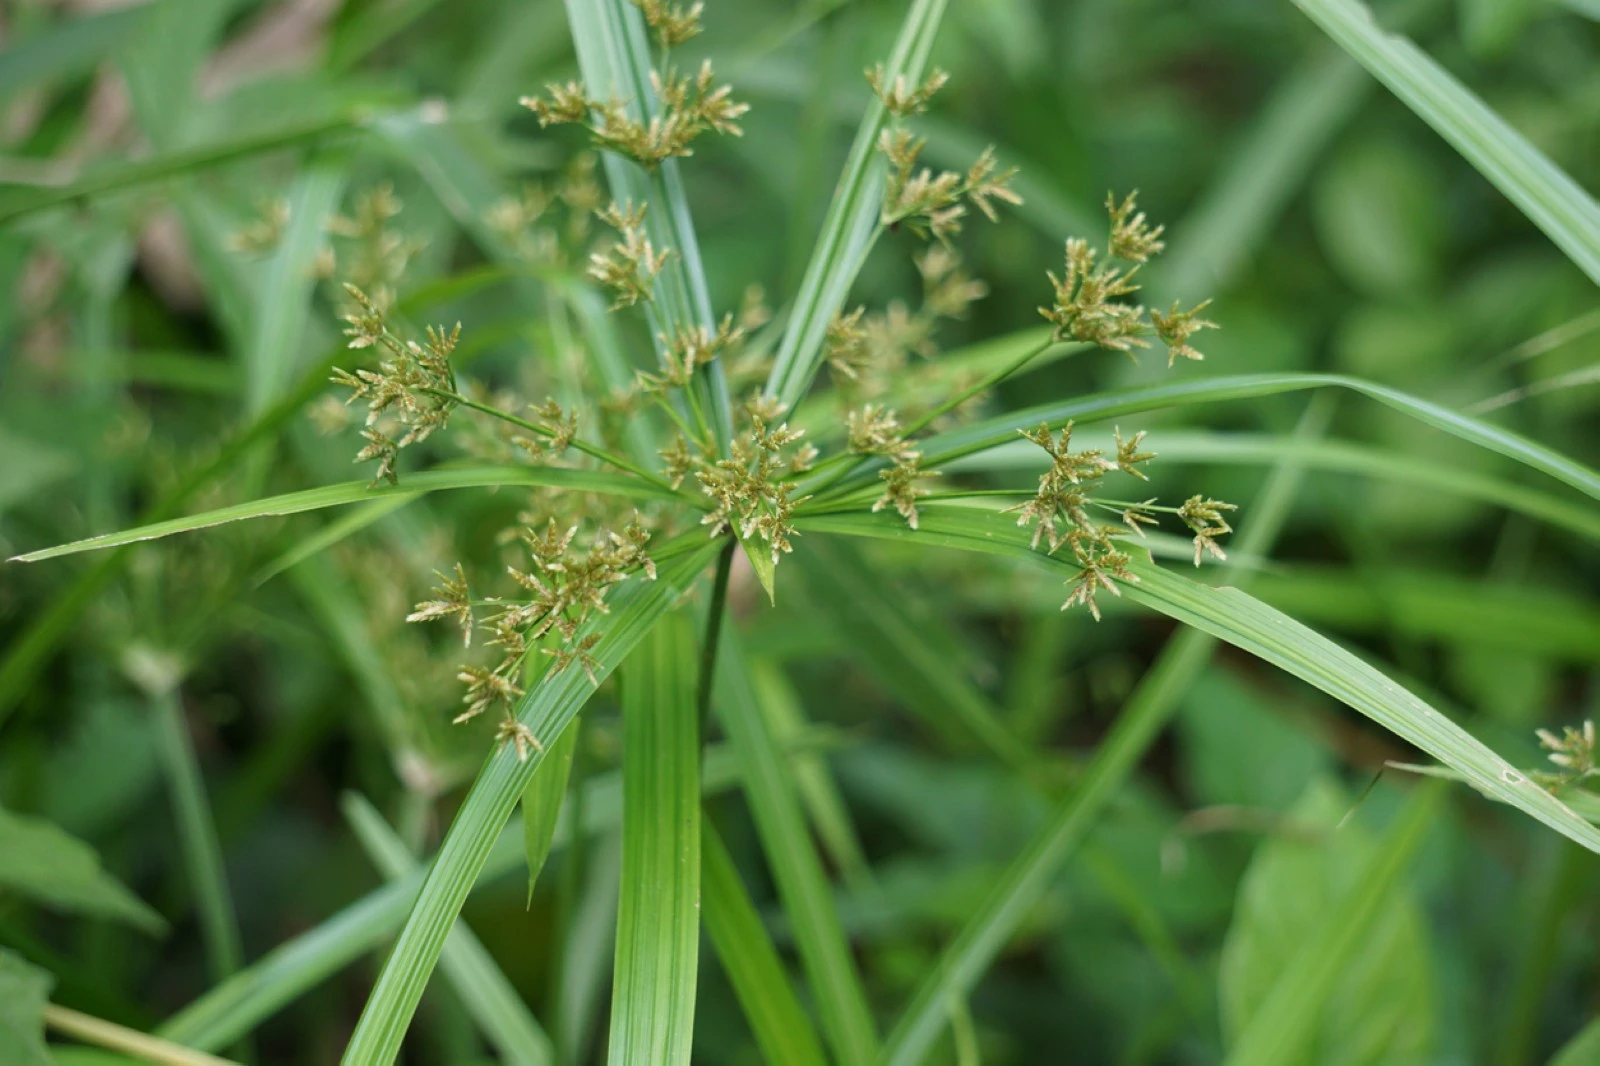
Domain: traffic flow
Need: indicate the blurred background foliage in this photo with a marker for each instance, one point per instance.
(154, 313)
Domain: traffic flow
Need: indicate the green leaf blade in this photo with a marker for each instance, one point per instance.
(658, 921)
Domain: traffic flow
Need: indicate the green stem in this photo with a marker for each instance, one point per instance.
(197, 836)
(713, 636)
(114, 1037)
(983, 385)
(582, 446)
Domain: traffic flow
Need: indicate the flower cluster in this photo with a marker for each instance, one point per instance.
(867, 352)
(1573, 751)
(876, 430)
(928, 202)
(1089, 304)
(628, 267)
(562, 591)
(689, 106)
(748, 490)
(1061, 512)
(413, 385)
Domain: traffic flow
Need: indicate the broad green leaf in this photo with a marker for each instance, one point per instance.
(541, 802)
(1582, 1050)
(24, 993)
(658, 919)
(350, 492)
(1554, 202)
(852, 223)
(488, 996)
(546, 710)
(1247, 623)
(1327, 960)
(802, 882)
(50, 867)
(968, 440)
(781, 1027)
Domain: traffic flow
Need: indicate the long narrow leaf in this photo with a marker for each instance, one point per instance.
(350, 492)
(1554, 202)
(802, 883)
(658, 926)
(1346, 457)
(851, 224)
(989, 433)
(482, 987)
(238, 1005)
(782, 1029)
(546, 710)
(1245, 622)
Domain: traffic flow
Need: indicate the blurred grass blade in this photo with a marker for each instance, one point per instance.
(802, 883)
(197, 837)
(546, 710)
(239, 1004)
(1582, 1050)
(350, 492)
(658, 919)
(1554, 202)
(1143, 716)
(488, 996)
(1283, 1026)
(18, 203)
(333, 533)
(103, 1034)
(287, 284)
(1340, 456)
(782, 1029)
(69, 49)
(968, 440)
(886, 642)
(542, 800)
(829, 815)
(851, 224)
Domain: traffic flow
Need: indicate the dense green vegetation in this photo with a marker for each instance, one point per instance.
(799, 747)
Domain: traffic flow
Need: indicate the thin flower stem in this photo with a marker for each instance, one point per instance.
(944, 408)
(984, 384)
(582, 446)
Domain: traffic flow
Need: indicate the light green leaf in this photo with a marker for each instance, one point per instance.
(488, 996)
(766, 570)
(851, 225)
(546, 710)
(24, 992)
(1581, 1050)
(658, 923)
(541, 802)
(1551, 200)
(350, 492)
(53, 868)
(1326, 963)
